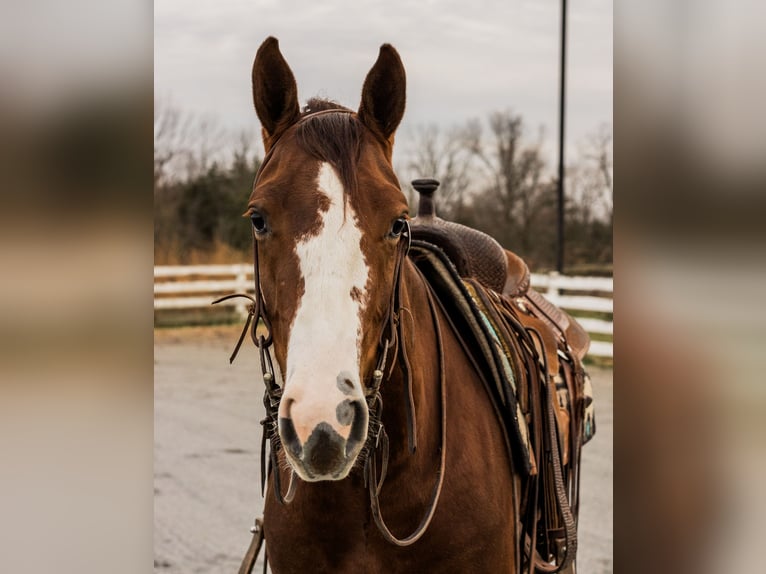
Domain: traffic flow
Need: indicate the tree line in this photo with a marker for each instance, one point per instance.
(494, 177)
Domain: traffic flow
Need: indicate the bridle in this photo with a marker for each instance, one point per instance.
(391, 342)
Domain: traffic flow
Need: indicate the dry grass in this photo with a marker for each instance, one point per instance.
(219, 253)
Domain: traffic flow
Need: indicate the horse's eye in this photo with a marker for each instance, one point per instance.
(398, 227)
(259, 222)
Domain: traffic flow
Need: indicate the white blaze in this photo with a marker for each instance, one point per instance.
(325, 338)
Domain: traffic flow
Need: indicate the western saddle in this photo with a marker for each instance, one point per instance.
(477, 255)
(528, 354)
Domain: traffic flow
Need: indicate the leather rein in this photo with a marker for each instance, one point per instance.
(377, 443)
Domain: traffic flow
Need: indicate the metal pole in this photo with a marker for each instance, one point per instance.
(562, 109)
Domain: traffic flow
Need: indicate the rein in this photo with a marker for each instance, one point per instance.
(375, 485)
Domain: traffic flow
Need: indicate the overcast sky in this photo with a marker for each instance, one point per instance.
(463, 58)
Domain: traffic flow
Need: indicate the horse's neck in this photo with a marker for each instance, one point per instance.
(421, 347)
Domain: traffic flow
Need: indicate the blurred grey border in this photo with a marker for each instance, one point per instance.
(690, 140)
(76, 299)
(76, 286)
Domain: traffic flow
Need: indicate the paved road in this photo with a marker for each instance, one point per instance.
(207, 444)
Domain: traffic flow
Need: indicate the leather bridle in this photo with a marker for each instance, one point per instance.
(391, 339)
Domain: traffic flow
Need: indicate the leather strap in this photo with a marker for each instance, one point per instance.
(375, 485)
(540, 564)
(248, 562)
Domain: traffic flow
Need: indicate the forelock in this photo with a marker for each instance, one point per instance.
(334, 138)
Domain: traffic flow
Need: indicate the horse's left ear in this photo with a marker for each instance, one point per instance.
(384, 94)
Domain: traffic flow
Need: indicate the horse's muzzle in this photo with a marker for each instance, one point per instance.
(325, 454)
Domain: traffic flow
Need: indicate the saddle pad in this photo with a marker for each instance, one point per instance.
(481, 335)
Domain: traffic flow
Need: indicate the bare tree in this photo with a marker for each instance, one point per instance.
(171, 138)
(208, 145)
(515, 191)
(590, 178)
(185, 145)
(494, 177)
(589, 202)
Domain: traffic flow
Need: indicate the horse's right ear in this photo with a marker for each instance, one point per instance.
(275, 93)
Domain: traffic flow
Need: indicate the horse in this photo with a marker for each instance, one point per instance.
(367, 380)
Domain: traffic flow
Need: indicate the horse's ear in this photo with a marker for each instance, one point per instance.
(275, 93)
(384, 94)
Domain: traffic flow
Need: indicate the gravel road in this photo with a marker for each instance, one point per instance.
(207, 444)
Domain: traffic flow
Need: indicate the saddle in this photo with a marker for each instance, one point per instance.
(478, 256)
(528, 355)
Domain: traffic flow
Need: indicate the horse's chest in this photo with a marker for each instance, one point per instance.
(338, 547)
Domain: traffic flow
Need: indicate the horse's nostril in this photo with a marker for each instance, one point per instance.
(290, 437)
(345, 384)
(345, 411)
(287, 405)
(358, 432)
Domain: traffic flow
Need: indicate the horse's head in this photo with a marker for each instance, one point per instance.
(328, 215)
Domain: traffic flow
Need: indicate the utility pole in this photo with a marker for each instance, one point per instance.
(562, 109)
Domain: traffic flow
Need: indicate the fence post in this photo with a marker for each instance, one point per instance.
(553, 286)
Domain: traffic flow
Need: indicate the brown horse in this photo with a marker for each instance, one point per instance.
(352, 325)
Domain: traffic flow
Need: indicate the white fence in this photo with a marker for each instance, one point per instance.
(195, 286)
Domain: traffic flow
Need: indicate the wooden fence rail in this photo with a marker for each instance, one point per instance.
(195, 286)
